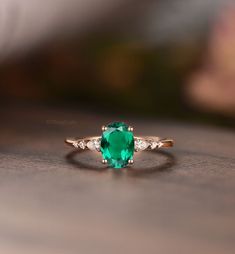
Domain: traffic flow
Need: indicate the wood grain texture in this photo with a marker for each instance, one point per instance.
(180, 200)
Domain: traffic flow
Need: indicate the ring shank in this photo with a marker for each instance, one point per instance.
(70, 141)
(167, 142)
(80, 143)
(163, 142)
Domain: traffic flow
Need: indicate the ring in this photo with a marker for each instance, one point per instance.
(117, 144)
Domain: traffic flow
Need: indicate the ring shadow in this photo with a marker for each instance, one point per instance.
(166, 166)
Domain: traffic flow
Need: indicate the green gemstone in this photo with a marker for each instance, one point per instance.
(117, 145)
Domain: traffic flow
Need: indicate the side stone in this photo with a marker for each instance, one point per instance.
(94, 144)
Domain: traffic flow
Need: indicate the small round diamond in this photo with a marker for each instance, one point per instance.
(82, 144)
(75, 144)
(153, 144)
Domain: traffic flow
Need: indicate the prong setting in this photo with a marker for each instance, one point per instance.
(130, 128)
(104, 161)
(130, 162)
(104, 128)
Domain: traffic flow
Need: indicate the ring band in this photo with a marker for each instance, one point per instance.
(118, 144)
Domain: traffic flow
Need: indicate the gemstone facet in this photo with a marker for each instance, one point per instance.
(117, 145)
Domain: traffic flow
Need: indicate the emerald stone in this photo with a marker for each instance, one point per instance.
(117, 145)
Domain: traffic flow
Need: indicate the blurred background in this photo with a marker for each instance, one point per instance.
(69, 66)
(164, 58)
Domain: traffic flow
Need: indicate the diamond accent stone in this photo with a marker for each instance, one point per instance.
(153, 144)
(141, 144)
(82, 144)
(94, 144)
(160, 144)
(75, 144)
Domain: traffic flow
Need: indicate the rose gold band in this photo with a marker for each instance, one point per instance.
(141, 143)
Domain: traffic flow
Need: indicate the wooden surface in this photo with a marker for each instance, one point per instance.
(177, 202)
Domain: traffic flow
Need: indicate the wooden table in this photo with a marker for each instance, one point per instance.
(179, 201)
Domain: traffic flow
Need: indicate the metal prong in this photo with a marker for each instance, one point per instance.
(104, 128)
(130, 128)
(130, 162)
(104, 161)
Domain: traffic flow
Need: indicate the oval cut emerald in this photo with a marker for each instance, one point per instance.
(117, 145)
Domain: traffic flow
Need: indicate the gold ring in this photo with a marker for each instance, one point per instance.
(117, 144)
